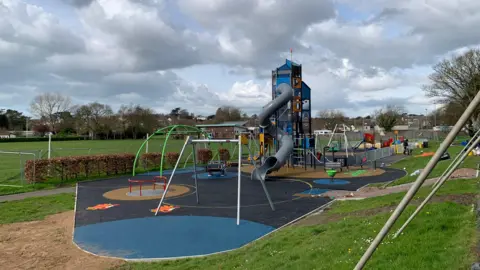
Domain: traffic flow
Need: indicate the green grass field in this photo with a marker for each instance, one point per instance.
(12, 181)
(443, 235)
(413, 163)
(11, 165)
(35, 208)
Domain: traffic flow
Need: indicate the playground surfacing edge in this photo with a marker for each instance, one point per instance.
(130, 231)
(311, 173)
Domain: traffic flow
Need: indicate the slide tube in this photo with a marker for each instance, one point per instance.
(274, 163)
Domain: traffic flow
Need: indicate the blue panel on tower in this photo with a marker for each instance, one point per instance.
(285, 67)
(283, 79)
(305, 91)
(289, 63)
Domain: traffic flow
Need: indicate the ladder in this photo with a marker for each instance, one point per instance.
(298, 157)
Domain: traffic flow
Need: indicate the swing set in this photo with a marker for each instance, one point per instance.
(184, 130)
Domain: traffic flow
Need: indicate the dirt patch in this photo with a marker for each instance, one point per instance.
(46, 244)
(311, 173)
(464, 173)
(464, 199)
(325, 217)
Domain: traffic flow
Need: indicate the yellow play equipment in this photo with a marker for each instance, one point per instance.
(244, 139)
(265, 144)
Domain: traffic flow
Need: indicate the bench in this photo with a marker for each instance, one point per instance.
(333, 165)
(232, 164)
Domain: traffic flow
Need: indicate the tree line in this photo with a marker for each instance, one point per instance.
(453, 83)
(57, 114)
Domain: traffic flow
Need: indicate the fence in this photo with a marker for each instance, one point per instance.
(370, 156)
(12, 167)
(353, 138)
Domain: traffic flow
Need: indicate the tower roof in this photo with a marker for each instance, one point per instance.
(288, 65)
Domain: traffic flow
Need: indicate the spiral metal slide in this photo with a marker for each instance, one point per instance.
(274, 163)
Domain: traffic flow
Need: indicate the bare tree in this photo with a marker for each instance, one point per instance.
(331, 118)
(456, 82)
(123, 119)
(141, 120)
(47, 105)
(450, 113)
(228, 113)
(95, 118)
(388, 117)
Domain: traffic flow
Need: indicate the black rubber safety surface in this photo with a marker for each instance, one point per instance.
(217, 198)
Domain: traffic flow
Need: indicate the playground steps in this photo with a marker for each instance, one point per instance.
(298, 159)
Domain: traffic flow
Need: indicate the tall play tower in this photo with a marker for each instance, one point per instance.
(295, 117)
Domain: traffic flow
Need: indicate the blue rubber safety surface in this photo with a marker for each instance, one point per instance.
(331, 182)
(130, 230)
(315, 191)
(152, 237)
(216, 175)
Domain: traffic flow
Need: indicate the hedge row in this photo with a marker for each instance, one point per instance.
(40, 139)
(67, 168)
(152, 160)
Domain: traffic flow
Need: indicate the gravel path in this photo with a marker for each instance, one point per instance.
(368, 192)
(40, 193)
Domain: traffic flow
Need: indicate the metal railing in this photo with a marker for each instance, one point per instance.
(373, 155)
(17, 174)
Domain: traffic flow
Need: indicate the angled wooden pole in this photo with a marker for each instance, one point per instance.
(418, 183)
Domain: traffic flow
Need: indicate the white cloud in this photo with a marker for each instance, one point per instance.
(380, 81)
(123, 51)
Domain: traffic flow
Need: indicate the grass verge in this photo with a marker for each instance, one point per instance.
(443, 236)
(35, 208)
(413, 163)
(452, 187)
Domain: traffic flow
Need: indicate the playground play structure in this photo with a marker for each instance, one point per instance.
(285, 131)
(285, 137)
(212, 208)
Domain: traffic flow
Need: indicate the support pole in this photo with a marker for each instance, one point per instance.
(267, 194)
(194, 149)
(418, 183)
(173, 173)
(239, 179)
(146, 146)
(49, 145)
(331, 136)
(459, 154)
(443, 179)
(304, 152)
(346, 139)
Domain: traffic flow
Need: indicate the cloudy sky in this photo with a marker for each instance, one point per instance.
(201, 54)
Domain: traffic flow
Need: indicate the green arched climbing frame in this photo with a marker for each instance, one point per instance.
(170, 130)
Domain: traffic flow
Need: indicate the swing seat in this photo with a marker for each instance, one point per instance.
(216, 166)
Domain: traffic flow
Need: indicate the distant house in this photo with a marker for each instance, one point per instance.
(226, 130)
(4, 134)
(401, 127)
(397, 128)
